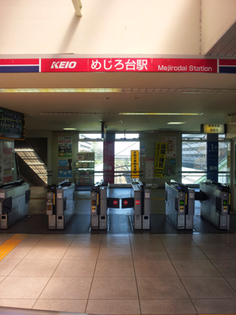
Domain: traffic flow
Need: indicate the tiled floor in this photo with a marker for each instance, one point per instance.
(121, 274)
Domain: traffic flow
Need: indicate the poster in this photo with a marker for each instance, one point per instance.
(0, 162)
(65, 174)
(171, 146)
(160, 158)
(149, 168)
(65, 164)
(134, 164)
(108, 161)
(6, 165)
(65, 146)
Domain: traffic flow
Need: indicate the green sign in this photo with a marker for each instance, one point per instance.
(12, 124)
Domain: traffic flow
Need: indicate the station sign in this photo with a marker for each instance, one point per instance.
(178, 65)
(134, 164)
(213, 128)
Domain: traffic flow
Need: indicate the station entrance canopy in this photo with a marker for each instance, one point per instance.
(178, 65)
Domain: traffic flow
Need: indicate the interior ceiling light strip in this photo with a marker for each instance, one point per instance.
(161, 114)
(127, 114)
(115, 90)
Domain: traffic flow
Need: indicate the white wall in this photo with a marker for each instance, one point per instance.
(106, 27)
(217, 17)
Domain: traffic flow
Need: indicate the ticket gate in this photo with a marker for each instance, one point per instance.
(98, 208)
(60, 205)
(179, 201)
(215, 206)
(142, 206)
(14, 199)
(140, 201)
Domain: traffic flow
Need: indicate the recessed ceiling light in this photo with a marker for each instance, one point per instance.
(162, 114)
(69, 128)
(176, 123)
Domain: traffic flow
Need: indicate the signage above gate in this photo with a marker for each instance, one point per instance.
(178, 65)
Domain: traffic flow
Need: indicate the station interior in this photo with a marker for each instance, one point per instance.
(117, 157)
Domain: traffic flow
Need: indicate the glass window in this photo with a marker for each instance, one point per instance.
(193, 160)
(97, 147)
(127, 136)
(123, 160)
(224, 162)
(90, 136)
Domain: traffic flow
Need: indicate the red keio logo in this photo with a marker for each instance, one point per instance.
(63, 64)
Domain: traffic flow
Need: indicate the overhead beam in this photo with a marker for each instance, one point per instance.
(78, 6)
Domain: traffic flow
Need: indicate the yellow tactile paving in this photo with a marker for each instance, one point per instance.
(10, 244)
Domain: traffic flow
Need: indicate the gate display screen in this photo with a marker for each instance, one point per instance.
(12, 124)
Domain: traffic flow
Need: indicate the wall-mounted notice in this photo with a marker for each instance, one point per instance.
(149, 168)
(65, 173)
(0, 162)
(65, 164)
(171, 146)
(12, 124)
(6, 165)
(65, 146)
(134, 164)
(160, 158)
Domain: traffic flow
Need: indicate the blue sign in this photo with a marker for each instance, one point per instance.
(212, 160)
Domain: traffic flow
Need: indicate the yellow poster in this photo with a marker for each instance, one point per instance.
(160, 158)
(134, 164)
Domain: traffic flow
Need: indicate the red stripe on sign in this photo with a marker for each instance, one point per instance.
(16, 62)
(227, 62)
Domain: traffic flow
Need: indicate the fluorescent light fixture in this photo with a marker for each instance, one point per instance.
(23, 150)
(69, 128)
(176, 123)
(62, 90)
(161, 114)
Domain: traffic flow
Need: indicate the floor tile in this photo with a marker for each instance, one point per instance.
(35, 268)
(207, 240)
(113, 288)
(232, 281)
(160, 288)
(72, 306)
(176, 240)
(167, 306)
(212, 287)
(115, 240)
(22, 287)
(18, 303)
(7, 265)
(46, 252)
(186, 253)
(117, 253)
(154, 268)
(218, 252)
(4, 237)
(120, 268)
(226, 267)
(113, 307)
(215, 306)
(20, 251)
(75, 268)
(195, 268)
(87, 240)
(84, 253)
(67, 288)
(229, 239)
(147, 254)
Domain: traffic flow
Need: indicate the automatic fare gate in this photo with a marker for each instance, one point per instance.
(60, 205)
(140, 202)
(215, 206)
(179, 205)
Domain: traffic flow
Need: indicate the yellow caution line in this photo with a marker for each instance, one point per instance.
(10, 244)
